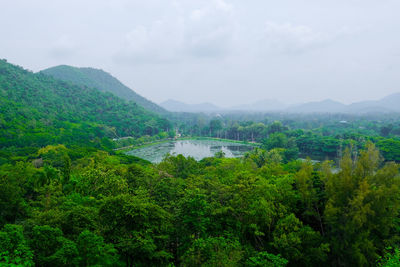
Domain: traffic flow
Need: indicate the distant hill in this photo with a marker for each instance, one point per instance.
(37, 110)
(262, 105)
(387, 104)
(177, 106)
(390, 103)
(102, 81)
(325, 106)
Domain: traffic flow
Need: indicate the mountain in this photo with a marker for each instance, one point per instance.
(390, 103)
(37, 110)
(177, 106)
(387, 104)
(325, 106)
(103, 81)
(262, 105)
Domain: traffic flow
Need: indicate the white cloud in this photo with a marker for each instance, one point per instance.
(206, 31)
(222, 5)
(289, 38)
(210, 29)
(160, 42)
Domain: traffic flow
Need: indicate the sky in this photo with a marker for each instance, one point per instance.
(227, 52)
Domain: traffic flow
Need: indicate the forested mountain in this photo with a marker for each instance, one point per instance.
(103, 81)
(37, 110)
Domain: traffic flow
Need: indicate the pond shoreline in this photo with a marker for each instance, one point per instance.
(132, 147)
(197, 148)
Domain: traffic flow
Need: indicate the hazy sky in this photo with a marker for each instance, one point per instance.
(222, 51)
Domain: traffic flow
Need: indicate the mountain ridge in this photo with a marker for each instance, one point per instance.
(103, 81)
(261, 105)
(38, 110)
(387, 104)
(178, 106)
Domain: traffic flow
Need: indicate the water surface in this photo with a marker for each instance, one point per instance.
(197, 149)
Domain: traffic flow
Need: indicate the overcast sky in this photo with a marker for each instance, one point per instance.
(222, 51)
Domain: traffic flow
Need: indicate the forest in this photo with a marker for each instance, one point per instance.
(320, 189)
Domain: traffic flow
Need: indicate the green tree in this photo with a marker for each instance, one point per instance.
(94, 252)
(215, 127)
(362, 207)
(213, 251)
(300, 244)
(276, 127)
(138, 228)
(51, 248)
(390, 259)
(12, 190)
(265, 259)
(14, 249)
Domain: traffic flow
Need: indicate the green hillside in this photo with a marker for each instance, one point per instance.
(103, 81)
(37, 110)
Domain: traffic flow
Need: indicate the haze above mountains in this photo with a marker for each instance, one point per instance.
(105, 82)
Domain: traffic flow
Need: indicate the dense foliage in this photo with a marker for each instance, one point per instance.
(103, 81)
(67, 207)
(36, 110)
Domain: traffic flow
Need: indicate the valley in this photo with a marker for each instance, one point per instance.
(199, 133)
(91, 173)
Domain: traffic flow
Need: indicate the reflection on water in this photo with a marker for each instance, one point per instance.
(187, 148)
(197, 149)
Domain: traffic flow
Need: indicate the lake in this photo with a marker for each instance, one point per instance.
(197, 149)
